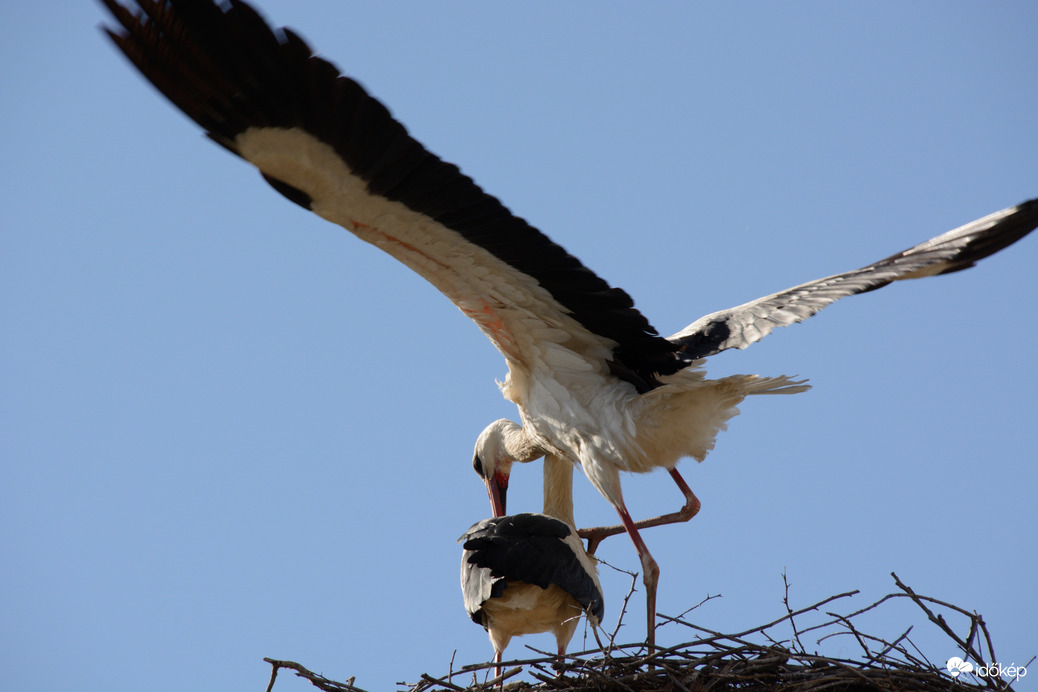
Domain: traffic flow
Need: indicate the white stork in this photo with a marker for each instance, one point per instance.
(529, 573)
(594, 382)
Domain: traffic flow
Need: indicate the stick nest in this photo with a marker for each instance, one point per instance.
(750, 661)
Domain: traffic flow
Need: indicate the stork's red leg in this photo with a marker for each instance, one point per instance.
(690, 509)
(650, 573)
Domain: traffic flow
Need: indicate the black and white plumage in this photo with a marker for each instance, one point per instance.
(528, 573)
(594, 382)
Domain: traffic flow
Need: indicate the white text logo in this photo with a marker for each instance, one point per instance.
(956, 666)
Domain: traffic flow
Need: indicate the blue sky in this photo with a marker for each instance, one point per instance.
(231, 430)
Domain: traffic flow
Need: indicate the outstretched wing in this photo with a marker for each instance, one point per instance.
(953, 251)
(530, 548)
(324, 143)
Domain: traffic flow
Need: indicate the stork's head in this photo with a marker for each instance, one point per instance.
(493, 463)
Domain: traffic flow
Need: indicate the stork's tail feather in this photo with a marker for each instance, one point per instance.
(783, 384)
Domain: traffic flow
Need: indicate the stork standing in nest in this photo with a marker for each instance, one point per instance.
(594, 382)
(529, 573)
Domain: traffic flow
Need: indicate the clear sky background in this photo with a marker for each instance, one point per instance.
(231, 430)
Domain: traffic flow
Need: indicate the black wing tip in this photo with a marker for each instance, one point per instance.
(1030, 205)
(1024, 218)
(1014, 226)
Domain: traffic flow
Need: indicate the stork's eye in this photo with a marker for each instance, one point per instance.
(477, 466)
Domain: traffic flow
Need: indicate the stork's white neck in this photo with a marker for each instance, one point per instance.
(558, 489)
(512, 441)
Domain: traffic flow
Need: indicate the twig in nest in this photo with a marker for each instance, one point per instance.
(318, 681)
(623, 606)
(789, 611)
(444, 682)
(976, 621)
(686, 611)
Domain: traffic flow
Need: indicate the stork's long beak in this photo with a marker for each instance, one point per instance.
(497, 489)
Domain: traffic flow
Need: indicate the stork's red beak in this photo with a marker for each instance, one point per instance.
(497, 489)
